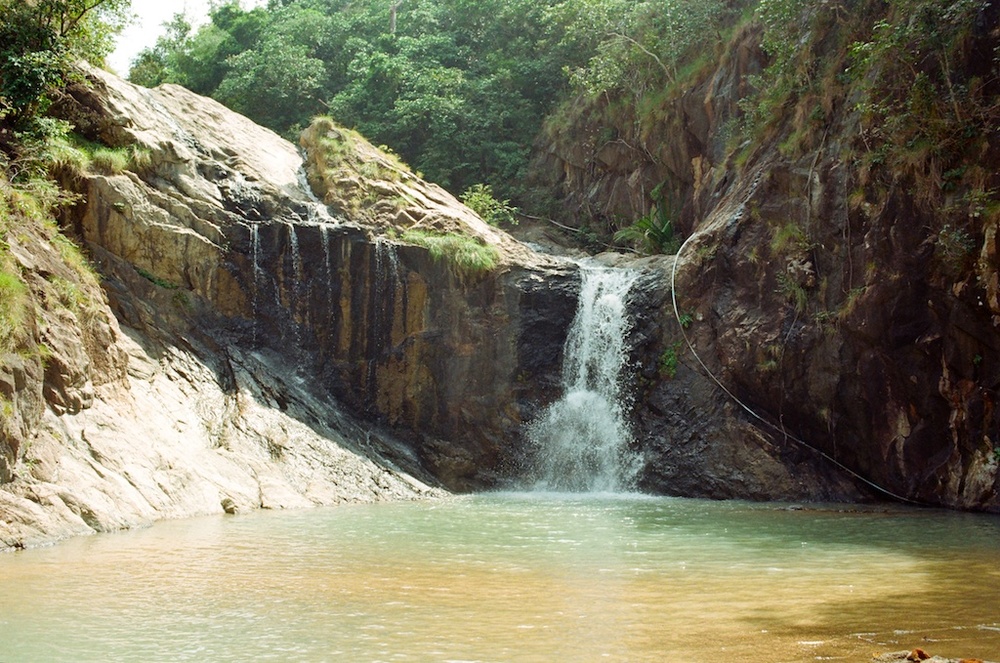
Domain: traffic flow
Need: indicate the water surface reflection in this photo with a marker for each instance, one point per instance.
(512, 577)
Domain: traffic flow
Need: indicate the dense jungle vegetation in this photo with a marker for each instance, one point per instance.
(458, 88)
(463, 90)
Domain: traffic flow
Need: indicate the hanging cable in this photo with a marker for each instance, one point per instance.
(747, 408)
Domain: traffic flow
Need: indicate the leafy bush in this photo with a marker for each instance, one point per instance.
(40, 41)
(640, 44)
(653, 233)
(479, 198)
(669, 358)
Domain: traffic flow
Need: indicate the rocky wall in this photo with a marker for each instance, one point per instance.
(222, 222)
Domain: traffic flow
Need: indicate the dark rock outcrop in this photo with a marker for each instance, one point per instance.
(855, 318)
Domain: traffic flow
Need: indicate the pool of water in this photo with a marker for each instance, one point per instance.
(514, 577)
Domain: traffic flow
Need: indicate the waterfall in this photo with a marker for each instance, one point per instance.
(293, 245)
(257, 273)
(324, 238)
(387, 283)
(317, 212)
(581, 441)
(387, 271)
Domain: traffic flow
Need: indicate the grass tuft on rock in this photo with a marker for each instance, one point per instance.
(467, 255)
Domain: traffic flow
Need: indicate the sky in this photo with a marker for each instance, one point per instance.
(152, 14)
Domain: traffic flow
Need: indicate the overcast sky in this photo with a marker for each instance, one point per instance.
(152, 14)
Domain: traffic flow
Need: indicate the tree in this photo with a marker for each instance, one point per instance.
(276, 84)
(637, 43)
(39, 41)
(458, 88)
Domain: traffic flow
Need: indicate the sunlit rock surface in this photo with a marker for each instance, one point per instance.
(247, 332)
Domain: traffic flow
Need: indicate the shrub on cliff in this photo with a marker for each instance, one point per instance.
(479, 198)
(39, 42)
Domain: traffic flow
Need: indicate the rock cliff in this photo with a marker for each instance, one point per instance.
(240, 333)
(850, 306)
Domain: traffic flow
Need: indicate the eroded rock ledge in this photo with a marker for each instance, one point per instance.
(242, 334)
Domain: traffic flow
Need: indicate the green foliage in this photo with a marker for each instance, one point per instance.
(200, 60)
(13, 307)
(954, 248)
(349, 173)
(71, 153)
(669, 358)
(40, 41)
(70, 253)
(792, 292)
(479, 198)
(467, 255)
(922, 101)
(156, 280)
(277, 84)
(782, 21)
(68, 294)
(918, 80)
(638, 44)
(654, 232)
(109, 161)
(788, 238)
(458, 88)
(65, 156)
(13, 291)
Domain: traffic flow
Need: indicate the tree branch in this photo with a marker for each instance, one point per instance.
(666, 70)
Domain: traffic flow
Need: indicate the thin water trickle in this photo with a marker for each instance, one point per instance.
(581, 441)
(387, 282)
(293, 247)
(297, 282)
(387, 272)
(257, 273)
(324, 239)
(317, 212)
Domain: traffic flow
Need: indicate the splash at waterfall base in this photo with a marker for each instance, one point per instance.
(582, 441)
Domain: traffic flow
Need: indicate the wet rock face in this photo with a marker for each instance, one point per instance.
(221, 226)
(854, 313)
(869, 370)
(456, 364)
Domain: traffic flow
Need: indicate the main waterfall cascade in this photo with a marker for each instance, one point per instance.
(581, 442)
